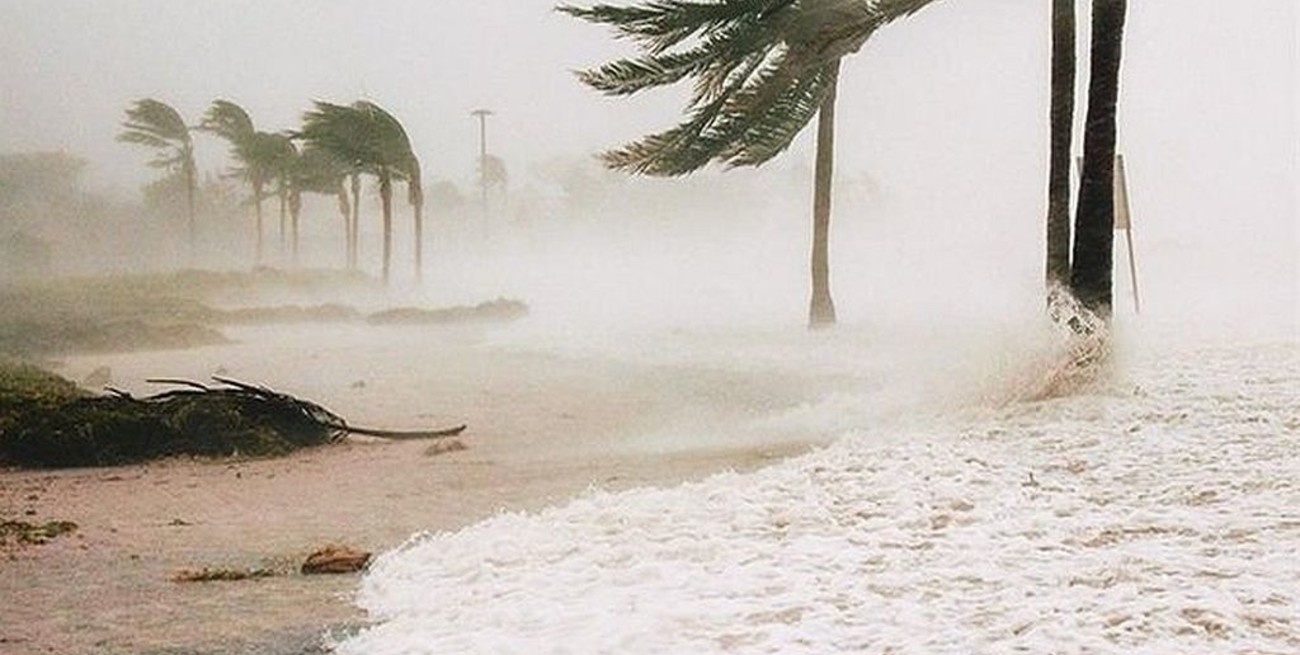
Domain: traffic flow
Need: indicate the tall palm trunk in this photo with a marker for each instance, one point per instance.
(354, 225)
(295, 211)
(386, 202)
(345, 210)
(282, 193)
(419, 240)
(821, 311)
(191, 189)
(1094, 228)
(1062, 128)
(257, 208)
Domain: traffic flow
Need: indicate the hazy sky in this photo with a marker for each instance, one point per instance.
(946, 111)
(970, 66)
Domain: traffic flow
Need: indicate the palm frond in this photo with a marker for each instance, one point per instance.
(143, 139)
(761, 71)
(156, 118)
(228, 121)
(662, 24)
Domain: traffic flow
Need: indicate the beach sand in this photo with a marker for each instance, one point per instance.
(543, 427)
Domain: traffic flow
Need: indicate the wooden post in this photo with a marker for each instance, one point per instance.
(1124, 221)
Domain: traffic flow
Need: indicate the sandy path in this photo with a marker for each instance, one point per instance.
(542, 429)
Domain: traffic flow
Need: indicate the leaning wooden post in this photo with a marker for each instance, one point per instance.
(1124, 221)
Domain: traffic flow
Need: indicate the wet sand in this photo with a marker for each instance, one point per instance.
(543, 428)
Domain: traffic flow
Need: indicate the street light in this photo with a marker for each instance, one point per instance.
(482, 115)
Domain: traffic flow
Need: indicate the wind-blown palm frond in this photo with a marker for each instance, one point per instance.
(759, 69)
(156, 119)
(365, 138)
(156, 124)
(662, 24)
(228, 121)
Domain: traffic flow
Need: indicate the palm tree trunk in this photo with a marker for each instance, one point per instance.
(345, 210)
(386, 202)
(354, 226)
(821, 311)
(191, 184)
(283, 195)
(295, 211)
(419, 241)
(1062, 128)
(1094, 228)
(257, 205)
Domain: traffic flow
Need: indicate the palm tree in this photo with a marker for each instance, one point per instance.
(1094, 227)
(1062, 135)
(316, 171)
(369, 140)
(281, 159)
(336, 131)
(761, 70)
(258, 154)
(156, 124)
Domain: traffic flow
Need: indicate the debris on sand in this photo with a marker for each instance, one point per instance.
(335, 559)
(206, 574)
(22, 533)
(48, 430)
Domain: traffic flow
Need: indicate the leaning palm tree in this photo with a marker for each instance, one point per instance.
(396, 150)
(156, 124)
(339, 131)
(367, 139)
(1094, 227)
(415, 196)
(762, 69)
(257, 154)
(281, 159)
(1062, 135)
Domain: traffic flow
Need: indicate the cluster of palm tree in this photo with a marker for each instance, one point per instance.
(762, 69)
(335, 146)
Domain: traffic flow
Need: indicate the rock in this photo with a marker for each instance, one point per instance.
(335, 559)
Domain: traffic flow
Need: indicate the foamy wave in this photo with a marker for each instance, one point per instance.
(1150, 519)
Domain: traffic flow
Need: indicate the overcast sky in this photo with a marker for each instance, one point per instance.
(946, 112)
(71, 66)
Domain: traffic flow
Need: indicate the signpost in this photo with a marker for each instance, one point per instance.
(1124, 221)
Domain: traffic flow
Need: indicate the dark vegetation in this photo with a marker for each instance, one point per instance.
(187, 309)
(22, 533)
(45, 422)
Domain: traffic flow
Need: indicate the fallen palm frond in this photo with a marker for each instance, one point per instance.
(233, 418)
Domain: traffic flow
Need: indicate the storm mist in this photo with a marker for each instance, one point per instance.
(940, 171)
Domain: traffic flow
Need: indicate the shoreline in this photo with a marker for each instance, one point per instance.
(543, 430)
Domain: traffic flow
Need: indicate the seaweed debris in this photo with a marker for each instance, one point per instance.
(231, 419)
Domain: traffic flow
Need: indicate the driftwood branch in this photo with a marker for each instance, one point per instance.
(413, 434)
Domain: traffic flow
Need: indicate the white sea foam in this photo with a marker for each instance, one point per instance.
(1155, 515)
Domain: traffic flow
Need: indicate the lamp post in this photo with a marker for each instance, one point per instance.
(482, 115)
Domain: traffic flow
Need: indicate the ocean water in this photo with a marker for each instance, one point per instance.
(1152, 512)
